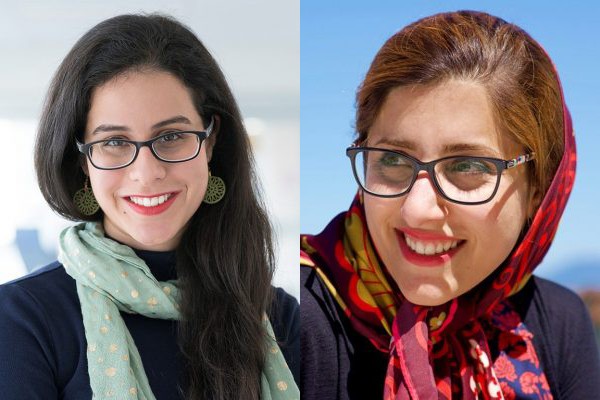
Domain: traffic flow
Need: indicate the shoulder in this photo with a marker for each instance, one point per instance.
(325, 334)
(319, 345)
(43, 302)
(284, 315)
(563, 336)
(319, 310)
(311, 286)
(557, 313)
(21, 301)
(283, 302)
(544, 305)
(318, 307)
(355, 368)
(325, 327)
(47, 283)
(285, 318)
(41, 331)
(548, 304)
(555, 296)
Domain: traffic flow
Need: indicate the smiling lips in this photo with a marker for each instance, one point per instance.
(151, 205)
(427, 249)
(150, 201)
(430, 248)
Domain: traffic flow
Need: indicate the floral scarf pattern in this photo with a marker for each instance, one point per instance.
(443, 352)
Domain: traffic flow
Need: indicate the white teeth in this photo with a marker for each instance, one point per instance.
(420, 248)
(149, 201)
(430, 248)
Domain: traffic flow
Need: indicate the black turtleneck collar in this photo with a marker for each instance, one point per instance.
(161, 263)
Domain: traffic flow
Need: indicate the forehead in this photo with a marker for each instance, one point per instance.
(139, 99)
(431, 121)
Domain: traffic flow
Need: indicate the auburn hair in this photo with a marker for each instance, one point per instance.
(516, 72)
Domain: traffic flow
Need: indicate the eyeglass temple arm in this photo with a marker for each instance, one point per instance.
(210, 126)
(519, 160)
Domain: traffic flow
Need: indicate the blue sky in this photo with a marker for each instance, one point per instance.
(338, 42)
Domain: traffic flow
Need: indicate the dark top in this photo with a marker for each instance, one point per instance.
(43, 345)
(338, 363)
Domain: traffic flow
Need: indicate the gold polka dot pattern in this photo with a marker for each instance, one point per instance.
(111, 278)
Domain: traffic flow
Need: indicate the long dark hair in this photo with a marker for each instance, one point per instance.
(225, 258)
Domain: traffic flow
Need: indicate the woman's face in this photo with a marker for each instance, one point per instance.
(139, 106)
(431, 122)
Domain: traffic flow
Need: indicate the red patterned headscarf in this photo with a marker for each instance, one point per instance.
(443, 352)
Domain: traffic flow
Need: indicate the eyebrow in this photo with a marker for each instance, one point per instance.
(179, 119)
(449, 148)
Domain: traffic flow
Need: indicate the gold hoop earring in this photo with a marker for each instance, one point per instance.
(215, 190)
(85, 201)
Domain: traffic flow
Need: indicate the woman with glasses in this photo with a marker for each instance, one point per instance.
(165, 292)
(423, 289)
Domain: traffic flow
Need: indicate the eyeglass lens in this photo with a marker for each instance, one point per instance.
(177, 146)
(464, 179)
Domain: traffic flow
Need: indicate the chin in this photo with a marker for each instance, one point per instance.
(155, 241)
(427, 295)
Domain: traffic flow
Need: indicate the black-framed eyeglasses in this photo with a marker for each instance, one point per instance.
(459, 179)
(171, 147)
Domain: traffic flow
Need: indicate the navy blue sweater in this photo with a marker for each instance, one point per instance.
(43, 346)
(338, 363)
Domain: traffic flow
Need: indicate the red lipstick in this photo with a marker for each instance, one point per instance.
(423, 260)
(154, 210)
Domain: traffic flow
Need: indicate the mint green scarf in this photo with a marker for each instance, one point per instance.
(111, 278)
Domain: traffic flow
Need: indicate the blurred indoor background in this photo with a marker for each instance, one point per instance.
(256, 44)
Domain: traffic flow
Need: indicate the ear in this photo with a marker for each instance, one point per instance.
(535, 199)
(84, 165)
(212, 139)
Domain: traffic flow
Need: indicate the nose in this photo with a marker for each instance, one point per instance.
(146, 168)
(423, 204)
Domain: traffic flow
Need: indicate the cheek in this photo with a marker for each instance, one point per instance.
(104, 184)
(194, 176)
(494, 232)
(197, 187)
(374, 212)
(381, 215)
(508, 217)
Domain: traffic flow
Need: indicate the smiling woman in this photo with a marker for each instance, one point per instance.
(423, 289)
(433, 122)
(165, 291)
(129, 182)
